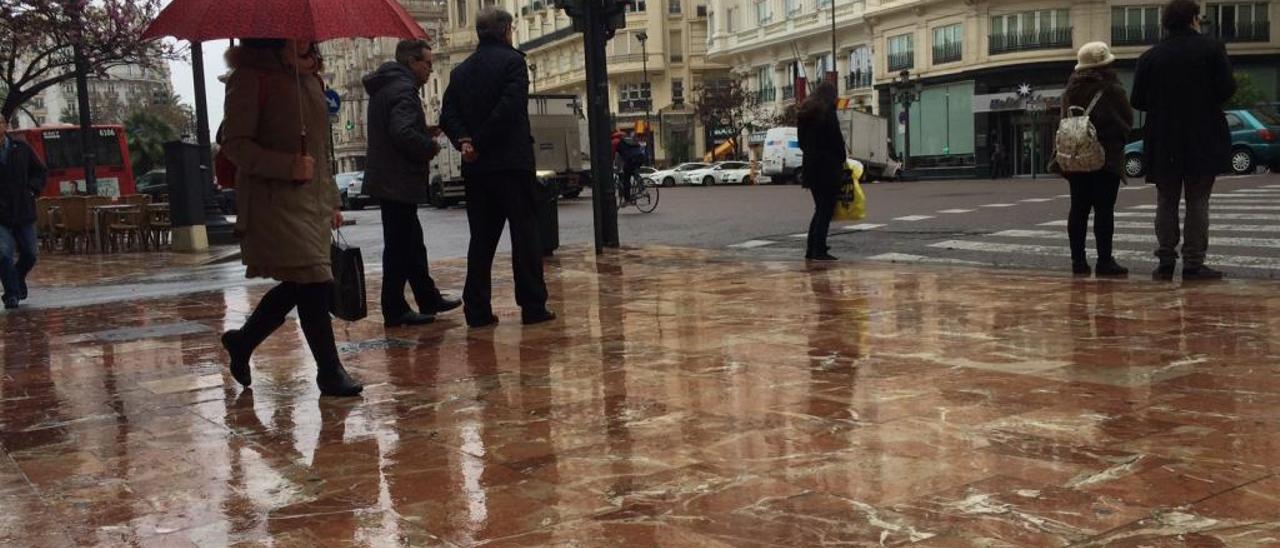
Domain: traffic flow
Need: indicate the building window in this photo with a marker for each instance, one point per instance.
(824, 3)
(675, 43)
(902, 53)
(794, 72)
(1240, 22)
(677, 92)
(1032, 30)
(793, 6)
(762, 12)
(1135, 25)
(636, 6)
(673, 7)
(946, 44)
(462, 13)
(823, 65)
(731, 20)
(765, 92)
(633, 97)
(859, 68)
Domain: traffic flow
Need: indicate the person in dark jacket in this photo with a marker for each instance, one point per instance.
(400, 147)
(1182, 84)
(1112, 118)
(824, 164)
(486, 116)
(21, 180)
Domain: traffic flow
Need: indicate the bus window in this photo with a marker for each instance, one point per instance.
(62, 149)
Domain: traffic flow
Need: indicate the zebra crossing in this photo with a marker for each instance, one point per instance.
(1244, 238)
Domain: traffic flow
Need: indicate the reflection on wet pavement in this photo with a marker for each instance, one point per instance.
(684, 399)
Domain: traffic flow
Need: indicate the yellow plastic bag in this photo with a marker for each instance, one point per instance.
(853, 203)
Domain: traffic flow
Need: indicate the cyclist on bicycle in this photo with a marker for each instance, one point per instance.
(631, 155)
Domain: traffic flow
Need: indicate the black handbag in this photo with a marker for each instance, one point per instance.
(348, 280)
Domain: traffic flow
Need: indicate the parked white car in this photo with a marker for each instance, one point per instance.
(723, 173)
(671, 177)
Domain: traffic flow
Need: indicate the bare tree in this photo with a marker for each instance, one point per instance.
(36, 38)
(726, 103)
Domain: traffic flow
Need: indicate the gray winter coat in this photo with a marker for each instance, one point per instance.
(400, 148)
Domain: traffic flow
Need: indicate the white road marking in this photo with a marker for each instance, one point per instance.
(956, 210)
(1224, 207)
(800, 235)
(863, 226)
(914, 218)
(908, 258)
(1141, 238)
(1212, 227)
(1255, 191)
(998, 205)
(1212, 216)
(752, 244)
(1238, 261)
(1037, 200)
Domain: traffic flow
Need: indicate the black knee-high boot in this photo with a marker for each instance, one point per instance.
(265, 319)
(317, 327)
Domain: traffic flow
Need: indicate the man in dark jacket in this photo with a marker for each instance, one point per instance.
(486, 116)
(400, 147)
(1182, 84)
(21, 180)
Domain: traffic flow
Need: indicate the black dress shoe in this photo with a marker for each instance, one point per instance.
(410, 318)
(540, 316)
(1109, 268)
(1081, 268)
(446, 304)
(335, 382)
(232, 343)
(477, 323)
(10, 303)
(1201, 273)
(1163, 273)
(822, 257)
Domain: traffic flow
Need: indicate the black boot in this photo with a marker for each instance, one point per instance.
(317, 327)
(265, 319)
(233, 342)
(1080, 267)
(1164, 272)
(1108, 267)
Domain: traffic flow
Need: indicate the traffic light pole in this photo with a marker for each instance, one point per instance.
(603, 199)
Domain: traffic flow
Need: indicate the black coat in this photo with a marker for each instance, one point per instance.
(1112, 117)
(487, 101)
(822, 143)
(1182, 83)
(21, 180)
(400, 147)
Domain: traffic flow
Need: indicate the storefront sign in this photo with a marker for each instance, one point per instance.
(1051, 99)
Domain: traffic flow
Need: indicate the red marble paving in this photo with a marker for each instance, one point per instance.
(683, 399)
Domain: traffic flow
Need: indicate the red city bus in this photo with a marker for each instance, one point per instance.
(59, 148)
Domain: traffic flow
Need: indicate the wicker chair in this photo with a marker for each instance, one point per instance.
(126, 228)
(72, 224)
(44, 222)
(158, 225)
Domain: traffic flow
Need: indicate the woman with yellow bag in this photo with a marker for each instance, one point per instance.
(824, 163)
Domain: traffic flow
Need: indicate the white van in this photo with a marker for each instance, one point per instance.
(782, 157)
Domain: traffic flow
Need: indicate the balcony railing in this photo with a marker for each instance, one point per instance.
(634, 105)
(677, 58)
(1259, 31)
(902, 60)
(857, 80)
(766, 95)
(547, 39)
(788, 93)
(626, 58)
(946, 53)
(1028, 41)
(1137, 35)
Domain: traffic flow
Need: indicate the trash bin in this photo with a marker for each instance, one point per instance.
(547, 213)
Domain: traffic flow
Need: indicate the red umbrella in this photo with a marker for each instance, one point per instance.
(309, 20)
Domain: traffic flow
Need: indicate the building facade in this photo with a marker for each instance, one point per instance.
(346, 64)
(655, 63)
(111, 97)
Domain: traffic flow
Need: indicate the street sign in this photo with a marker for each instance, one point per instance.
(333, 101)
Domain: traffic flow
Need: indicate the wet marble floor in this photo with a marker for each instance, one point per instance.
(684, 399)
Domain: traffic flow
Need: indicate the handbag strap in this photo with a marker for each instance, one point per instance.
(339, 238)
(1093, 103)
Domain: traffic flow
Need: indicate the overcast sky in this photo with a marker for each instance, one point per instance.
(184, 84)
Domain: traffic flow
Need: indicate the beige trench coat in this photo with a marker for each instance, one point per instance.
(284, 226)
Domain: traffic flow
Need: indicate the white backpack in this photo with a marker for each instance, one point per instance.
(1076, 144)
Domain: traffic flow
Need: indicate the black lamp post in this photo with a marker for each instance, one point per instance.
(643, 37)
(906, 93)
(533, 72)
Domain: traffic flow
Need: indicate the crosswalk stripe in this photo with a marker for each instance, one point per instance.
(998, 205)
(1212, 217)
(1226, 207)
(1212, 227)
(909, 258)
(956, 211)
(1238, 261)
(913, 218)
(752, 244)
(1255, 191)
(863, 226)
(1141, 238)
(1037, 200)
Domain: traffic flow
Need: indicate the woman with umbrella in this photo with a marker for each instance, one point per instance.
(287, 201)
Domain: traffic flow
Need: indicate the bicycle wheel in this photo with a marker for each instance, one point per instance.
(647, 200)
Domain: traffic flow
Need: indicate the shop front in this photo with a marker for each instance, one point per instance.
(1020, 129)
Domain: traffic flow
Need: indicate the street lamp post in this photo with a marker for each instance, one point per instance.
(533, 72)
(906, 94)
(643, 37)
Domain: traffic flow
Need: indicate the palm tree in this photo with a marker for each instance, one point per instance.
(147, 133)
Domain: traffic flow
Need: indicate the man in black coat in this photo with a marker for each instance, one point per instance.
(1182, 84)
(21, 180)
(400, 147)
(486, 116)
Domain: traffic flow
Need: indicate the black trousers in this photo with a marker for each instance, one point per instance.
(824, 207)
(1094, 192)
(312, 302)
(493, 199)
(404, 260)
